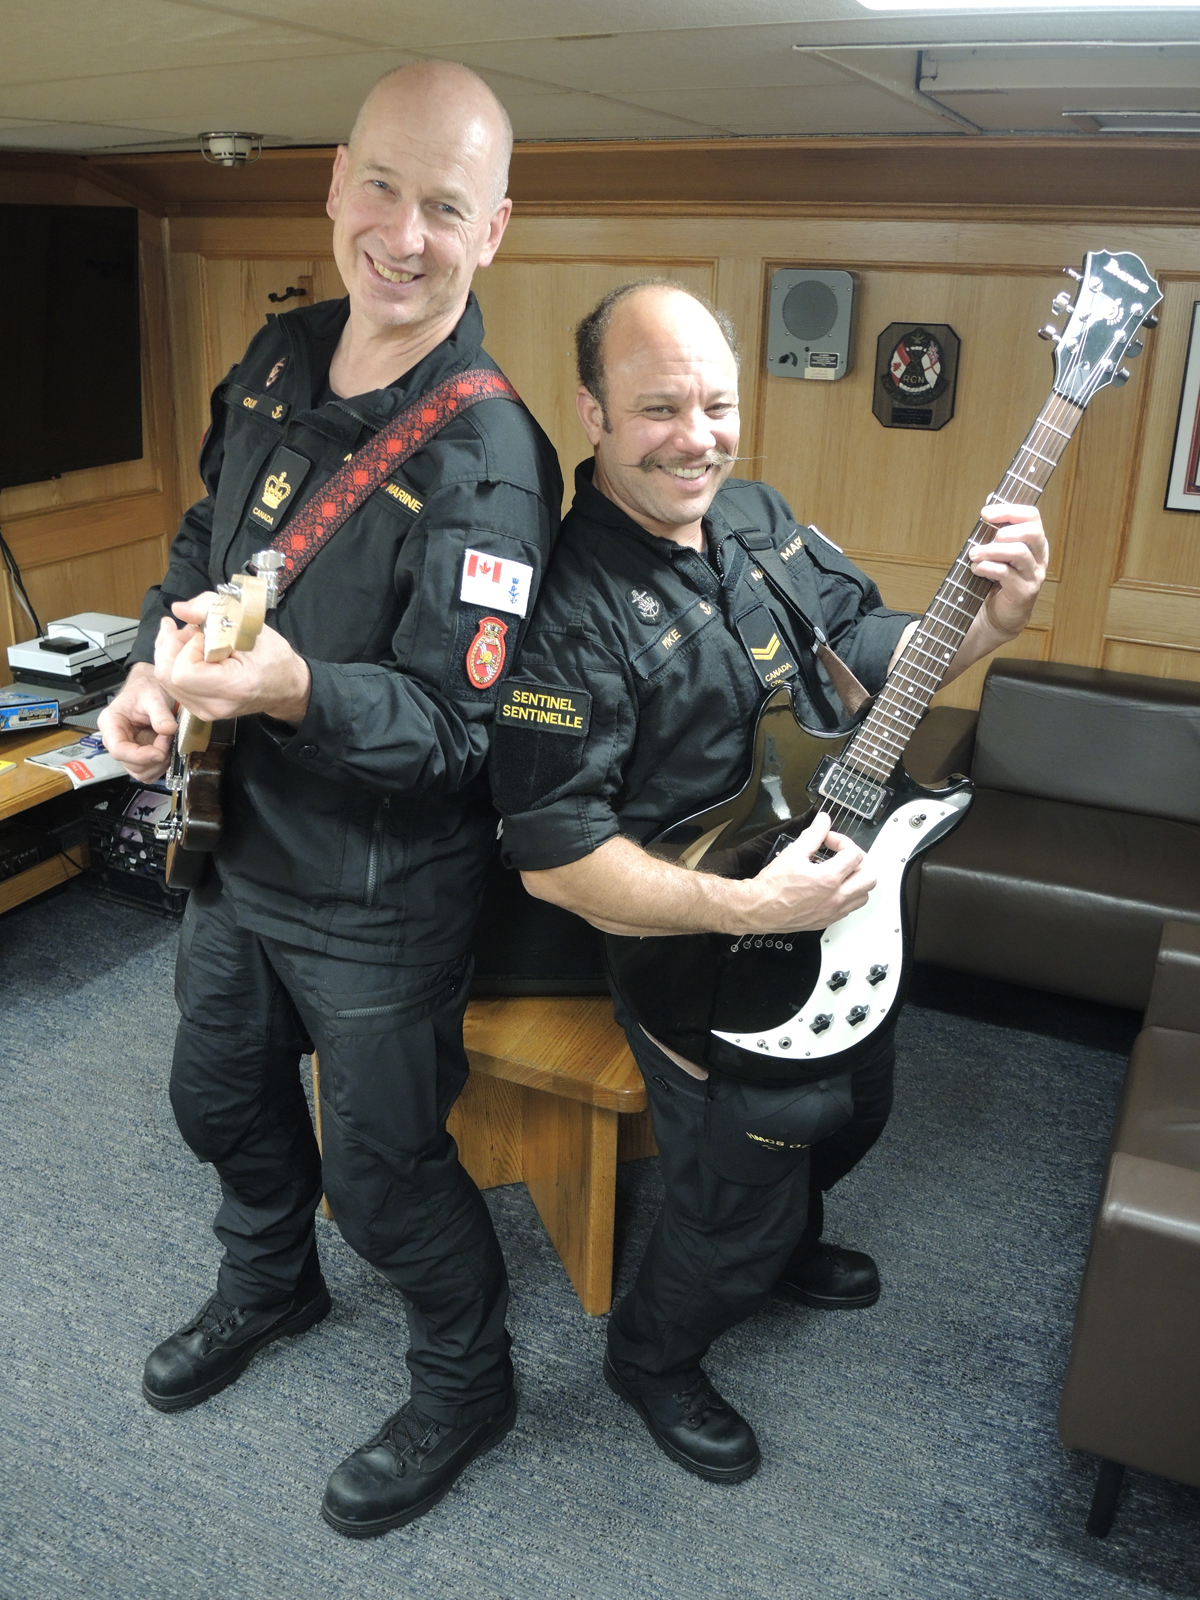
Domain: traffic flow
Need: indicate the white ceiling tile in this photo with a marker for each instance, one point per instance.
(62, 39)
(301, 93)
(414, 26)
(71, 136)
(702, 58)
(778, 112)
(581, 116)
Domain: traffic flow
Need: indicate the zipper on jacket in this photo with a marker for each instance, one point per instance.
(373, 851)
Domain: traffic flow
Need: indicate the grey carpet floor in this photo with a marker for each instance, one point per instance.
(909, 1451)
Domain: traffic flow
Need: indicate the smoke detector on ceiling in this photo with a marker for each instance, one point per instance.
(231, 149)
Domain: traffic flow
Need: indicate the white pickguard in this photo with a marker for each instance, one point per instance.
(869, 937)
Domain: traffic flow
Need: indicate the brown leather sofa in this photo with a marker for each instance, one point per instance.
(1084, 836)
(1132, 1390)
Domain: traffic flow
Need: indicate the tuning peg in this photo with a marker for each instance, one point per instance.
(1071, 273)
(1150, 320)
(1061, 302)
(1135, 349)
(1120, 378)
(1049, 332)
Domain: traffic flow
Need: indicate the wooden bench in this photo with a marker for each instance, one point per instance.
(554, 1101)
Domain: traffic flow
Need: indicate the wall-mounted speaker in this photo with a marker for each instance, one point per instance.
(810, 326)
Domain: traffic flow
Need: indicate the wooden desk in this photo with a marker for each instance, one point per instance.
(27, 786)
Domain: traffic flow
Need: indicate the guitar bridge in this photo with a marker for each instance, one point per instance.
(848, 788)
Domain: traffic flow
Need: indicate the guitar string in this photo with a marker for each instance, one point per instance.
(881, 751)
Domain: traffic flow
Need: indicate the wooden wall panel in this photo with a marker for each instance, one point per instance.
(530, 309)
(112, 581)
(916, 495)
(1153, 661)
(220, 297)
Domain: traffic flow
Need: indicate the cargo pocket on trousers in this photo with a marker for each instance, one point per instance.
(758, 1136)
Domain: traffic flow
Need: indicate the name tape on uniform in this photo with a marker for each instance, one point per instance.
(498, 584)
(545, 709)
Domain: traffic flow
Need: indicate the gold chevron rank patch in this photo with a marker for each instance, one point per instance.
(761, 640)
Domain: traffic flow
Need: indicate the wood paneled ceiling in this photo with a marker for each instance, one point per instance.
(146, 75)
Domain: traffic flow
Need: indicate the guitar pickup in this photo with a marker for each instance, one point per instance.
(845, 787)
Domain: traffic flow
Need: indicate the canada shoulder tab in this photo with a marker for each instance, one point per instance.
(544, 708)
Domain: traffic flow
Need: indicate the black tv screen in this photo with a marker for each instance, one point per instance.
(71, 385)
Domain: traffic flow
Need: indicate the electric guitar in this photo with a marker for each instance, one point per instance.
(790, 1008)
(193, 827)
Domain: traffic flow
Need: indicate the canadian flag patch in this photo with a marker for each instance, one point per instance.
(499, 584)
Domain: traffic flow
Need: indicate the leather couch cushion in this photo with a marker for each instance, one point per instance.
(1175, 998)
(1132, 1390)
(1159, 1116)
(1064, 897)
(1102, 738)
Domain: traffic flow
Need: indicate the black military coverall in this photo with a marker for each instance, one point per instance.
(347, 879)
(636, 632)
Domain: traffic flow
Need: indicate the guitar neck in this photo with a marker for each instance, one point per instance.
(915, 679)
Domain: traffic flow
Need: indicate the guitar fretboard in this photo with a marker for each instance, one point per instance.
(917, 675)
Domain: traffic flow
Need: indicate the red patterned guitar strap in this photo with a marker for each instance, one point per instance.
(320, 518)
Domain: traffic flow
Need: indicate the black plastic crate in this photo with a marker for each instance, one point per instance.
(128, 862)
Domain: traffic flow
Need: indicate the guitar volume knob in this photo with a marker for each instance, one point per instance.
(839, 980)
(877, 974)
(821, 1022)
(857, 1014)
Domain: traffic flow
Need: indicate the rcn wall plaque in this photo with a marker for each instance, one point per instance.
(916, 369)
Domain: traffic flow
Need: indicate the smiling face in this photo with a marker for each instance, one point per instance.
(414, 198)
(667, 433)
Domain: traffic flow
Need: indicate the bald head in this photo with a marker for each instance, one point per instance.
(635, 312)
(449, 95)
(417, 201)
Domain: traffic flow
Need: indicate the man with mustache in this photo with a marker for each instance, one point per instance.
(357, 821)
(632, 707)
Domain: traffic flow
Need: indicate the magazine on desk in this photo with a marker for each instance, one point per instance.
(84, 763)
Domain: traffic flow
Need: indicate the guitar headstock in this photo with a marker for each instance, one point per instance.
(1115, 299)
(236, 616)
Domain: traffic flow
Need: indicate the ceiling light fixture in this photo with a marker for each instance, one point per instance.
(230, 149)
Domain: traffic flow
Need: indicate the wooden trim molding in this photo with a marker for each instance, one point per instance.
(45, 537)
(1153, 616)
(1071, 177)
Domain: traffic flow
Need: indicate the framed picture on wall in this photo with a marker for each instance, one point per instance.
(1183, 485)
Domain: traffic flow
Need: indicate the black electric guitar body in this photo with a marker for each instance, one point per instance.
(791, 1008)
